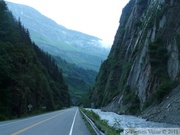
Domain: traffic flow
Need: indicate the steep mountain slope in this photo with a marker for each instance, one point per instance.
(75, 47)
(28, 76)
(143, 66)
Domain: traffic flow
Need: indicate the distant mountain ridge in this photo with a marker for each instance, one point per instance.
(75, 47)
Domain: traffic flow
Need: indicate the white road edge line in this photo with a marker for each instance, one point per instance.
(70, 133)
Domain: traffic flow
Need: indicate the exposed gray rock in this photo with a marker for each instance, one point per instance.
(168, 111)
(153, 34)
(162, 22)
(173, 62)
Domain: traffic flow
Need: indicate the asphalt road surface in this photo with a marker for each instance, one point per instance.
(64, 122)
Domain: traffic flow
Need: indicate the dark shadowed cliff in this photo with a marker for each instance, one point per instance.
(142, 72)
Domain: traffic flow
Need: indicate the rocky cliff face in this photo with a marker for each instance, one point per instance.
(143, 65)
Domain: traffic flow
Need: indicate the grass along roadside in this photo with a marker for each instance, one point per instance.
(101, 124)
(88, 125)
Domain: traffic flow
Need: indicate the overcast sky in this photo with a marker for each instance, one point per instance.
(99, 18)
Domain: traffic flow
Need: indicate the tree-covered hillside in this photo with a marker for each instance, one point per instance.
(79, 80)
(28, 76)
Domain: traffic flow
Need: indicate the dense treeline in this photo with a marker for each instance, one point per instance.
(73, 70)
(27, 74)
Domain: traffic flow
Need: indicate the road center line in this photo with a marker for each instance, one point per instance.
(24, 129)
(70, 133)
(21, 120)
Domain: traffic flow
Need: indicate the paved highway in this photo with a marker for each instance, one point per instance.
(64, 122)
